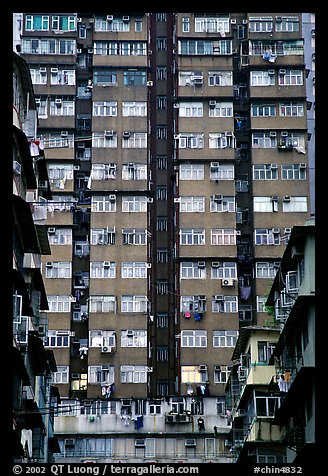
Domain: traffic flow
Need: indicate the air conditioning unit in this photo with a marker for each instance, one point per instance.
(201, 264)
(190, 442)
(58, 102)
(302, 165)
(150, 200)
(54, 70)
(49, 264)
(17, 168)
(282, 71)
(286, 198)
(64, 133)
(215, 264)
(202, 368)
(215, 165)
(77, 167)
(176, 105)
(150, 369)
(275, 230)
(129, 332)
(106, 349)
(112, 198)
(275, 198)
(126, 18)
(79, 20)
(79, 50)
(106, 264)
(284, 134)
(198, 79)
(212, 103)
(218, 297)
(109, 18)
(139, 442)
(287, 231)
(126, 135)
(51, 230)
(233, 21)
(274, 166)
(109, 134)
(150, 83)
(90, 50)
(271, 72)
(273, 134)
(70, 441)
(43, 70)
(176, 136)
(227, 282)
(217, 198)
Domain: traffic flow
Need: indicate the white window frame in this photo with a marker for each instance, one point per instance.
(61, 376)
(133, 270)
(62, 236)
(102, 304)
(225, 270)
(99, 270)
(134, 204)
(225, 338)
(136, 140)
(136, 338)
(192, 236)
(191, 172)
(191, 109)
(194, 338)
(59, 270)
(191, 270)
(133, 374)
(59, 303)
(228, 304)
(223, 236)
(191, 140)
(133, 303)
(192, 204)
(104, 109)
(102, 203)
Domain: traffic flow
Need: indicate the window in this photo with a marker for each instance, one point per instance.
(134, 108)
(227, 304)
(162, 255)
(262, 78)
(192, 270)
(221, 374)
(57, 339)
(212, 24)
(191, 140)
(291, 109)
(221, 236)
(260, 24)
(134, 270)
(224, 338)
(294, 204)
(103, 139)
(226, 269)
(133, 374)
(103, 171)
(162, 353)
(135, 140)
(161, 73)
(260, 303)
(134, 172)
(293, 172)
(37, 22)
(264, 351)
(220, 78)
(221, 109)
(221, 171)
(104, 109)
(161, 223)
(59, 303)
(99, 338)
(161, 192)
(134, 204)
(64, 108)
(191, 374)
(161, 162)
(162, 319)
(265, 236)
(134, 338)
(133, 236)
(266, 269)
(60, 236)
(222, 204)
(102, 269)
(205, 47)
(162, 286)
(290, 77)
(221, 140)
(191, 172)
(62, 77)
(63, 23)
(155, 407)
(134, 304)
(161, 43)
(266, 404)
(185, 24)
(103, 236)
(191, 109)
(287, 24)
(120, 48)
(61, 375)
(134, 78)
(263, 110)
(192, 204)
(105, 78)
(49, 47)
(264, 204)
(197, 338)
(265, 172)
(103, 375)
(56, 269)
(192, 236)
(102, 304)
(192, 304)
(264, 140)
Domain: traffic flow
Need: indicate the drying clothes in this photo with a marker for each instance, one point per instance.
(138, 422)
(245, 292)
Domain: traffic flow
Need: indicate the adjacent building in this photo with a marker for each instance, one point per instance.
(177, 152)
(34, 395)
(272, 390)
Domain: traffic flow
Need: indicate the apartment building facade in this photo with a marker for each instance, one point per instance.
(176, 146)
(34, 395)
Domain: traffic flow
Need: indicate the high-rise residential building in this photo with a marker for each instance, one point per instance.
(177, 150)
